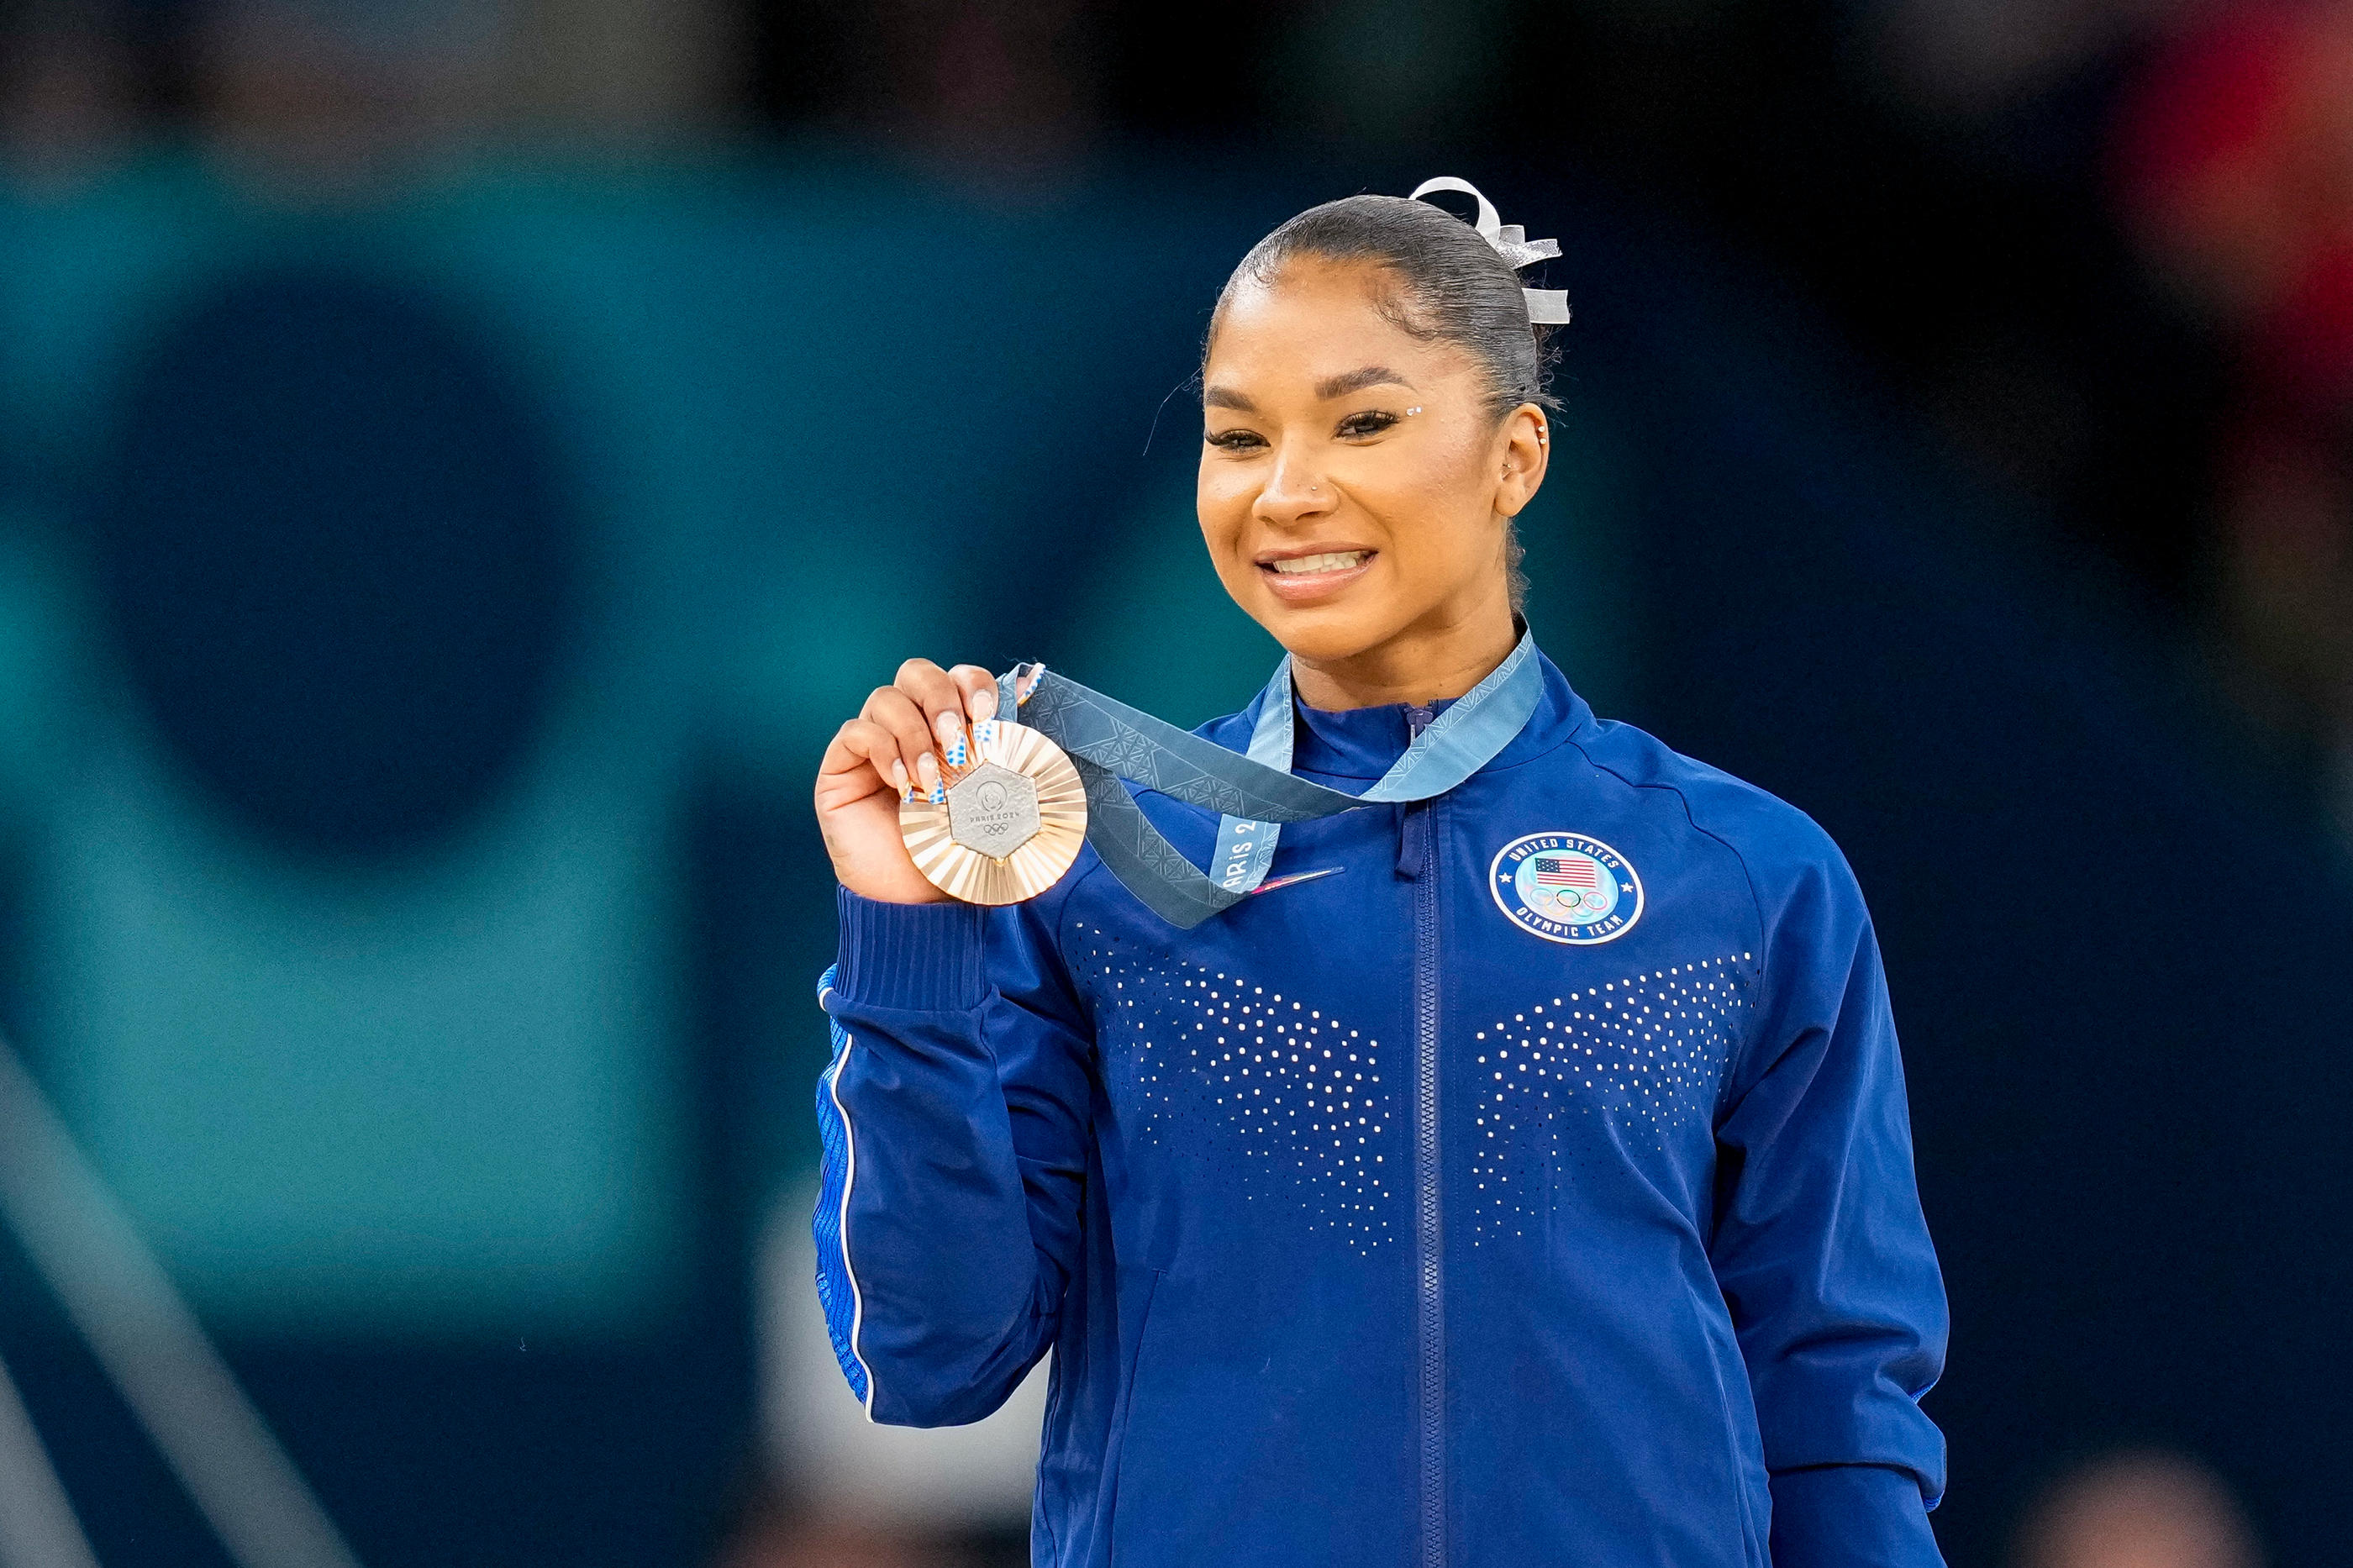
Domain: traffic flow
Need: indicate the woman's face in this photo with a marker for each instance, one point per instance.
(1355, 490)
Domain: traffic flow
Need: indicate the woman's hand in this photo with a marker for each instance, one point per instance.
(890, 751)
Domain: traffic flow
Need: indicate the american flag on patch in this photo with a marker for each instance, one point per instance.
(1578, 873)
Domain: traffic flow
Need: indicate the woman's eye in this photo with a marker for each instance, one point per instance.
(1371, 423)
(1234, 440)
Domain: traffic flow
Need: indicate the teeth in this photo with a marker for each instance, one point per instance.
(1332, 560)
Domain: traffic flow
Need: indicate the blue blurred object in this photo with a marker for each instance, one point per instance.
(336, 562)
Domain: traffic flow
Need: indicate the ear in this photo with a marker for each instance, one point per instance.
(1527, 450)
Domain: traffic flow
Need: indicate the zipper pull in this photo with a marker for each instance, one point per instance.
(1413, 818)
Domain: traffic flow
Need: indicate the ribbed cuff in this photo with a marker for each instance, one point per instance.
(1851, 1516)
(920, 958)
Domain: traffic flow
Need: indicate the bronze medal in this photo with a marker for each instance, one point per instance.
(1010, 823)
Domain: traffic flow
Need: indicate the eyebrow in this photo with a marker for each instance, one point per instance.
(1326, 390)
(1357, 380)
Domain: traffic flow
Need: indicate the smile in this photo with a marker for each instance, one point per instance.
(1309, 577)
(1331, 561)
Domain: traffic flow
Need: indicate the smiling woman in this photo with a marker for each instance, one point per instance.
(1375, 409)
(1511, 1167)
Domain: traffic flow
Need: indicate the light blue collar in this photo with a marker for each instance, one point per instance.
(1450, 749)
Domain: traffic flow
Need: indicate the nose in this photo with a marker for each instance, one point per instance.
(1295, 492)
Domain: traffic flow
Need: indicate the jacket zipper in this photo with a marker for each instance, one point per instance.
(1429, 1232)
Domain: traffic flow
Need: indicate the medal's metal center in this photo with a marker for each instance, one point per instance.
(993, 810)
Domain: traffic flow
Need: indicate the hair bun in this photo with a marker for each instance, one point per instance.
(1547, 306)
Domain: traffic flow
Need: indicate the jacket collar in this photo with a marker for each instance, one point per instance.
(1362, 743)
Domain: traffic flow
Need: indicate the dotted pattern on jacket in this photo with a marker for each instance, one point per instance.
(1647, 1053)
(1223, 1064)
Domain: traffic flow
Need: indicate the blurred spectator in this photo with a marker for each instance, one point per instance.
(327, 98)
(620, 72)
(2235, 153)
(1968, 57)
(68, 92)
(992, 86)
(2146, 1510)
(2149, 259)
(2234, 171)
(324, 96)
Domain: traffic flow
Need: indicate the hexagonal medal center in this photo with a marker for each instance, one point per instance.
(993, 810)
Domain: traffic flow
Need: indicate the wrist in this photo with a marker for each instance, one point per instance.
(874, 866)
(895, 892)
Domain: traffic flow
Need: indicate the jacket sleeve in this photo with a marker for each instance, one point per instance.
(954, 1120)
(1820, 1247)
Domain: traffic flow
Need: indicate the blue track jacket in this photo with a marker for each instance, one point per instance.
(1374, 1223)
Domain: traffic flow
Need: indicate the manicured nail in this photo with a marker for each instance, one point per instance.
(984, 735)
(984, 705)
(928, 770)
(899, 778)
(952, 742)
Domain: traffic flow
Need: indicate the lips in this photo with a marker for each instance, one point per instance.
(1329, 560)
(1300, 576)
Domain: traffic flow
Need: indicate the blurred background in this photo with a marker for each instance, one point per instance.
(461, 458)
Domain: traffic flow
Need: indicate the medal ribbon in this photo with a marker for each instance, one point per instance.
(1107, 741)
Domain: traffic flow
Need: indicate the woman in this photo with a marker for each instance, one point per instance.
(1526, 1179)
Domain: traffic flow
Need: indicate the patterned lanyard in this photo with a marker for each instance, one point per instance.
(1107, 741)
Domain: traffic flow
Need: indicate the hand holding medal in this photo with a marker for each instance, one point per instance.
(1004, 821)
(928, 795)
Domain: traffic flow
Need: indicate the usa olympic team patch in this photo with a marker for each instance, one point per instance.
(1566, 887)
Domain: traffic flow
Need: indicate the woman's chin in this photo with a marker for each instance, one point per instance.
(1325, 634)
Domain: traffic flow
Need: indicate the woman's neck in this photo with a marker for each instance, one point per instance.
(1415, 667)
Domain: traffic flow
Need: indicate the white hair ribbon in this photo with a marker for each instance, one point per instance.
(1547, 306)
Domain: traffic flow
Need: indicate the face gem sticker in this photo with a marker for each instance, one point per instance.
(993, 811)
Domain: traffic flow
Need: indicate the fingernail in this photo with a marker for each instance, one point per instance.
(984, 705)
(952, 742)
(928, 771)
(899, 778)
(984, 735)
